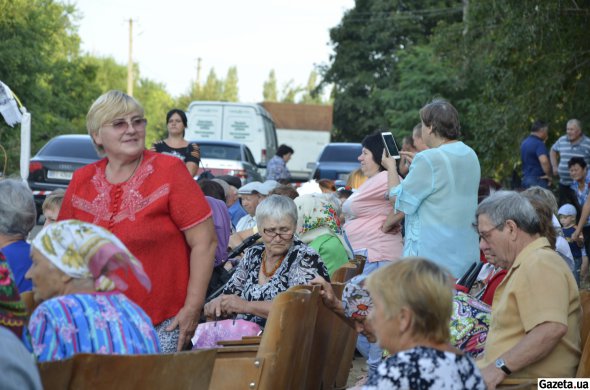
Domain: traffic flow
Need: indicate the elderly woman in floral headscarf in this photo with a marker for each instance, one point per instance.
(319, 227)
(82, 310)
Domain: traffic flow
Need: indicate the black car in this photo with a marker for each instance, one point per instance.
(337, 161)
(53, 166)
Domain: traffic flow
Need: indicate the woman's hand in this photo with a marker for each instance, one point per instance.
(327, 294)
(232, 304)
(388, 162)
(408, 156)
(186, 320)
(212, 309)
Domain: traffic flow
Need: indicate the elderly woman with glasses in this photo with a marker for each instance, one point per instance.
(267, 269)
(152, 204)
(82, 307)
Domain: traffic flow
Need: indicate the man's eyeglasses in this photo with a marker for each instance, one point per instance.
(486, 234)
(273, 234)
(123, 124)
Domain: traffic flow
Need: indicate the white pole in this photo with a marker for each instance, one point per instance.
(25, 143)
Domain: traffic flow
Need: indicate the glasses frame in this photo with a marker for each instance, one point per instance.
(272, 234)
(138, 123)
(486, 234)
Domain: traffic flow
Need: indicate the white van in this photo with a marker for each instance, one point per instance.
(249, 124)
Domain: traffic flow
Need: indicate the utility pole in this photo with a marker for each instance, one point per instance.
(198, 72)
(130, 61)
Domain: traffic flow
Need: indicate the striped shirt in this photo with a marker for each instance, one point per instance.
(566, 151)
(102, 323)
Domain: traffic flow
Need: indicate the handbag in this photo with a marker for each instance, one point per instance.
(470, 321)
(208, 334)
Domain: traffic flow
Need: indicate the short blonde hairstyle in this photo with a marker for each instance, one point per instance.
(421, 286)
(356, 179)
(107, 107)
(53, 200)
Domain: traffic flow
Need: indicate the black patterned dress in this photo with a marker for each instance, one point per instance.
(424, 368)
(300, 265)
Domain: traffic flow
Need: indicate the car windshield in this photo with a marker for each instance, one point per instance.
(74, 148)
(341, 154)
(224, 152)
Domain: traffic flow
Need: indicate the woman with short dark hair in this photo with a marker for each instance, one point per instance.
(276, 169)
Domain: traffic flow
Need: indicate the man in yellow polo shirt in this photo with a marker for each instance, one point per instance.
(535, 326)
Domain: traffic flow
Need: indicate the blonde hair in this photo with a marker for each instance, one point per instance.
(53, 200)
(421, 286)
(107, 107)
(356, 179)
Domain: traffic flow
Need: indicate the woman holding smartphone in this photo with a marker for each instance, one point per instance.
(370, 223)
(439, 194)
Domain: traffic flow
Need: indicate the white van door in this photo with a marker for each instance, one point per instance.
(204, 122)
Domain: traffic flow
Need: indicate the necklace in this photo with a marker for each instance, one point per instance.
(274, 269)
(133, 171)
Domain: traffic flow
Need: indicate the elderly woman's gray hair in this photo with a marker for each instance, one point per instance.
(276, 207)
(502, 206)
(17, 209)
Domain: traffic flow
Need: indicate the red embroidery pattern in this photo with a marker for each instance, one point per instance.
(128, 200)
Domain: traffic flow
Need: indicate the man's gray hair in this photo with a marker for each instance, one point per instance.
(576, 122)
(501, 206)
(276, 207)
(18, 214)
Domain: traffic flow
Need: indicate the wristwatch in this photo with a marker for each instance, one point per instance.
(501, 364)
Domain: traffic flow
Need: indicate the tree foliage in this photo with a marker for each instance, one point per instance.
(41, 61)
(502, 64)
(269, 88)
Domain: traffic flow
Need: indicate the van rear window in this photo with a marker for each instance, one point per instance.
(224, 152)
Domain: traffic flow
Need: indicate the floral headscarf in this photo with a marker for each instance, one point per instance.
(84, 250)
(356, 300)
(317, 215)
(12, 309)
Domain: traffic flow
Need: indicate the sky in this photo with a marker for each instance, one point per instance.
(256, 36)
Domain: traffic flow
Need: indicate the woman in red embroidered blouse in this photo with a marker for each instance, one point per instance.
(154, 206)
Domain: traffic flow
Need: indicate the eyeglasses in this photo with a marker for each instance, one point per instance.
(123, 124)
(273, 234)
(486, 234)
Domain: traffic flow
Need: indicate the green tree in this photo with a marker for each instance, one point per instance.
(40, 61)
(367, 44)
(269, 89)
(518, 61)
(290, 91)
(213, 88)
(311, 94)
(230, 85)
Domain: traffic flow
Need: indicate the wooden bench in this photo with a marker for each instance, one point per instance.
(183, 370)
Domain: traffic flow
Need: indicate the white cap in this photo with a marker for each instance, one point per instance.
(567, 209)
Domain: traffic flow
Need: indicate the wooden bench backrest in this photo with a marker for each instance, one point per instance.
(184, 370)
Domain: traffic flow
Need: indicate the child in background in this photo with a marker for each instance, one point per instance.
(52, 205)
(567, 217)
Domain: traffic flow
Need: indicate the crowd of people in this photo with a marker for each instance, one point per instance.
(136, 253)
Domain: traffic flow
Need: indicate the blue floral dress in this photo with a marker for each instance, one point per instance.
(426, 368)
(102, 323)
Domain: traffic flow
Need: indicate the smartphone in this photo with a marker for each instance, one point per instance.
(390, 145)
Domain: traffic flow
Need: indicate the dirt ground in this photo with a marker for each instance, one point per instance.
(359, 369)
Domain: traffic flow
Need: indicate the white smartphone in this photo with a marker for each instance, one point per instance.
(390, 145)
